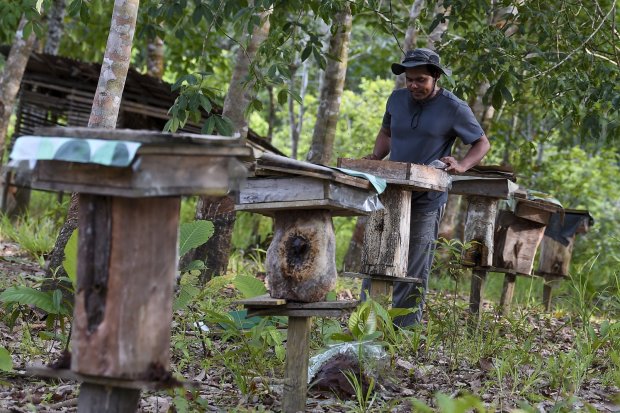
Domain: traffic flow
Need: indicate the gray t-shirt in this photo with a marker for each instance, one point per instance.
(424, 131)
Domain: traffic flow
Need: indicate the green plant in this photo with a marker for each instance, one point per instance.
(36, 236)
(6, 362)
(365, 398)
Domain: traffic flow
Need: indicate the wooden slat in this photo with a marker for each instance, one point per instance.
(266, 170)
(261, 301)
(269, 195)
(532, 212)
(411, 176)
(144, 136)
(380, 277)
(493, 188)
(150, 175)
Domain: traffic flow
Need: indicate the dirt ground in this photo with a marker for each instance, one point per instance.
(420, 377)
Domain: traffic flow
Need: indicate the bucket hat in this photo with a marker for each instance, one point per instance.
(419, 57)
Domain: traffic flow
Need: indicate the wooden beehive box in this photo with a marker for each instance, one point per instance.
(518, 235)
(556, 248)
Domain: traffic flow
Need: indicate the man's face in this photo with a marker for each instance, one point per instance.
(419, 82)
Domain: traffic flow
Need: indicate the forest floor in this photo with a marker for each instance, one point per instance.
(532, 360)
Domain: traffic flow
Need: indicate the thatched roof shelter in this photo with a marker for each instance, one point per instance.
(59, 91)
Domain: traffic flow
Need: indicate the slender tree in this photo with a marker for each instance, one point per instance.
(55, 26)
(221, 210)
(12, 76)
(322, 147)
(155, 57)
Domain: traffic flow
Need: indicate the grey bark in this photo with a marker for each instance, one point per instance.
(322, 147)
(11, 78)
(410, 36)
(297, 122)
(155, 58)
(55, 26)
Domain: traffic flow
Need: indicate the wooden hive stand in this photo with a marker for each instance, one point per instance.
(556, 248)
(386, 239)
(127, 255)
(301, 263)
(483, 188)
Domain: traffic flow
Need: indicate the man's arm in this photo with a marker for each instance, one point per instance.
(382, 145)
(472, 158)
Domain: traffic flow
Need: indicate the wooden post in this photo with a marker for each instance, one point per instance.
(123, 303)
(479, 229)
(508, 291)
(550, 283)
(478, 278)
(297, 351)
(386, 240)
(126, 269)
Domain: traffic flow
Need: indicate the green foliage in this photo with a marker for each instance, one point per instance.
(194, 234)
(69, 262)
(49, 301)
(6, 362)
(365, 398)
(249, 286)
(36, 236)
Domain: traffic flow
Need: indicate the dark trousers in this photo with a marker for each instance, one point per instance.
(422, 241)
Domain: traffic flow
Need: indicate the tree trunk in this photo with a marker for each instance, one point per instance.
(435, 36)
(410, 36)
(12, 77)
(55, 27)
(322, 147)
(220, 210)
(155, 58)
(9, 87)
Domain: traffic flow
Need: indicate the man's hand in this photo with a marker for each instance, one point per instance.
(453, 165)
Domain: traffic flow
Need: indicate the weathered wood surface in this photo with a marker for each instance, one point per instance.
(533, 212)
(297, 352)
(480, 231)
(386, 241)
(411, 176)
(266, 300)
(95, 398)
(123, 303)
(301, 259)
(380, 277)
(136, 135)
(270, 195)
(516, 242)
(478, 278)
(500, 188)
(150, 176)
(555, 257)
(508, 291)
(271, 164)
(548, 287)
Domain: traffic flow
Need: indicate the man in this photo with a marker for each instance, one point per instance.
(420, 124)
